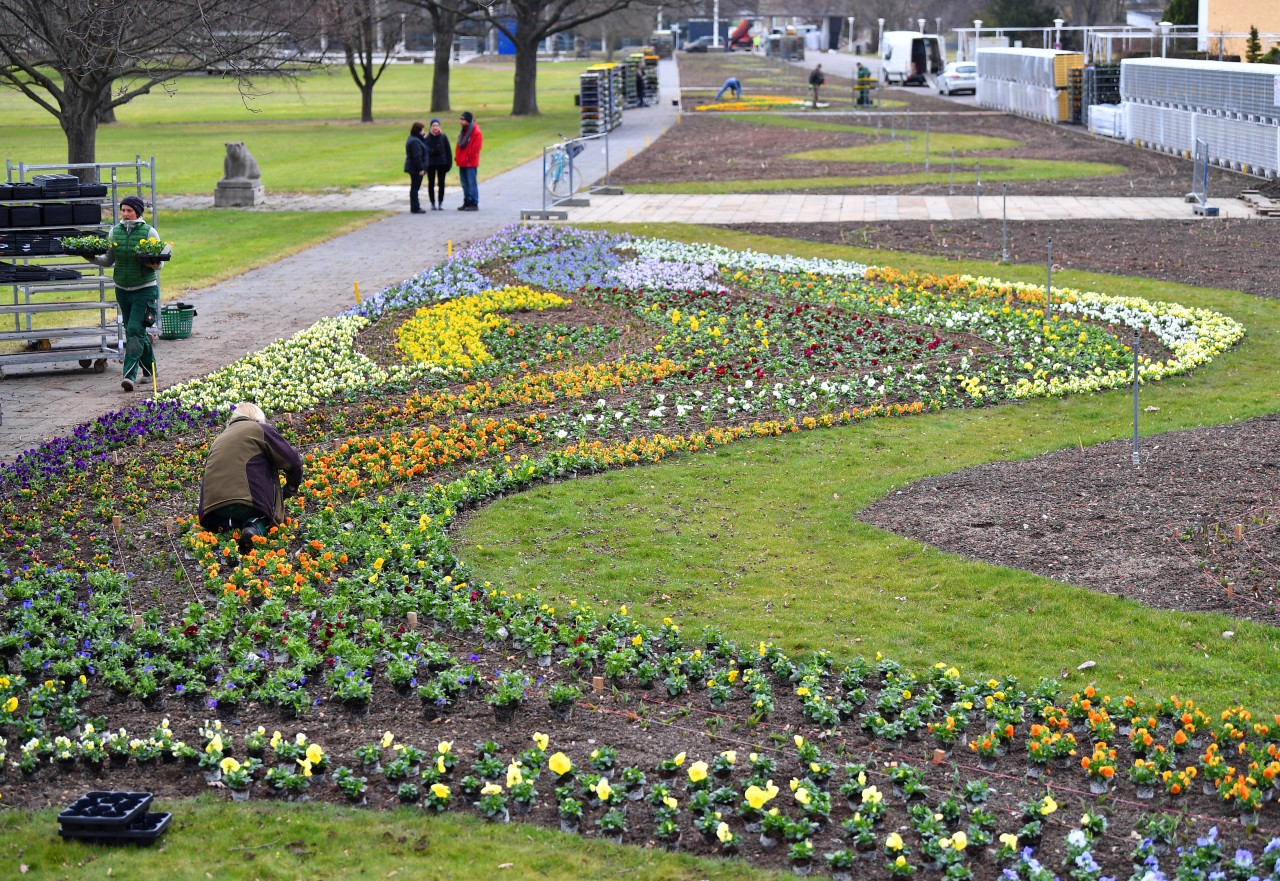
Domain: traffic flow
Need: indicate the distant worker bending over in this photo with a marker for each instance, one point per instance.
(731, 83)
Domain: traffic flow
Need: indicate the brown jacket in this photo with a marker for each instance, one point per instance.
(244, 467)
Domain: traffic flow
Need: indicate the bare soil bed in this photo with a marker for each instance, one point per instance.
(1240, 255)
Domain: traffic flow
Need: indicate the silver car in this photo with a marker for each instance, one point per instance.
(958, 76)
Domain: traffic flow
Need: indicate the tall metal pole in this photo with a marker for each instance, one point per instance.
(951, 189)
(1135, 394)
(1048, 286)
(926, 145)
(977, 187)
(1004, 223)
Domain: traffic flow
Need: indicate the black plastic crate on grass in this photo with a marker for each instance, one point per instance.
(106, 817)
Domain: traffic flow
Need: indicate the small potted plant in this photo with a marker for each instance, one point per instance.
(800, 855)
(602, 759)
(151, 251)
(570, 811)
(507, 694)
(85, 246)
(349, 784)
(436, 798)
(493, 803)
(1100, 767)
(237, 776)
(1143, 776)
(633, 780)
(613, 824)
(561, 698)
(841, 864)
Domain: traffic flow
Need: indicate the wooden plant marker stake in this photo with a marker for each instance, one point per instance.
(597, 684)
(939, 757)
(116, 522)
(412, 620)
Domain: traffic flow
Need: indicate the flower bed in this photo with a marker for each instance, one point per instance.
(356, 608)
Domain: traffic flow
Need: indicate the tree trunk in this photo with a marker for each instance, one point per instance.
(525, 100)
(444, 30)
(366, 100)
(79, 120)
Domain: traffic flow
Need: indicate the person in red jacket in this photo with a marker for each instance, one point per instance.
(466, 155)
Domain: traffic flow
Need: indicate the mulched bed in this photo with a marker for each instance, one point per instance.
(1240, 255)
(1191, 528)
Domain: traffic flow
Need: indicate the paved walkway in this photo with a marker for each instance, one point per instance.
(795, 208)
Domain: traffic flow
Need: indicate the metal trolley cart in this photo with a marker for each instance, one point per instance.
(42, 320)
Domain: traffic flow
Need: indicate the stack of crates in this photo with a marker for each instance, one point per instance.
(601, 95)
(1170, 103)
(1028, 82)
(629, 69)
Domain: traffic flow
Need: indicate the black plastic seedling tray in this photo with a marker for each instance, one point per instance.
(97, 812)
(143, 831)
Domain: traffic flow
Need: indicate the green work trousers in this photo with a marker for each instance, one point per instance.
(137, 343)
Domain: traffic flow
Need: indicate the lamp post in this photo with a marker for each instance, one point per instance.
(853, 46)
(920, 21)
(403, 43)
(880, 34)
(1164, 37)
(715, 25)
(977, 28)
(1057, 32)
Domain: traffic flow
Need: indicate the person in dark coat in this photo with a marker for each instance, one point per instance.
(439, 163)
(415, 164)
(640, 87)
(241, 484)
(816, 81)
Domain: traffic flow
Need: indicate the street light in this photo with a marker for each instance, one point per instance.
(880, 33)
(977, 27)
(853, 46)
(938, 24)
(1164, 37)
(1057, 32)
(920, 21)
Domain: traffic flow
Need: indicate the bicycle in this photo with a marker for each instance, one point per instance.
(561, 178)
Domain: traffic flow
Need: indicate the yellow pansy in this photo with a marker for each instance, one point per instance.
(560, 764)
(440, 791)
(541, 740)
(698, 772)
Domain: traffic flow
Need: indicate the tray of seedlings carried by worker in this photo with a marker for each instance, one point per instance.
(107, 817)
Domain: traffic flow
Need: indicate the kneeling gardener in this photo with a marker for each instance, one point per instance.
(241, 484)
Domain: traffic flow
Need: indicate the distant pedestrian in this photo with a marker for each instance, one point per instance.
(439, 163)
(241, 488)
(467, 157)
(640, 87)
(731, 84)
(864, 85)
(415, 164)
(816, 80)
(137, 283)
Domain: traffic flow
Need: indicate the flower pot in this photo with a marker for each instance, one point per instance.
(570, 826)
(523, 807)
(841, 875)
(563, 712)
(987, 763)
(1035, 772)
(1209, 788)
(635, 793)
(802, 867)
(768, 843)
(212, 776)
(1248, 819)
(503, 816)
(1146, 792)
(118, 761)
(503, 713)
(240, 794)
(543, 660)
(672, 843)
(357, 708)
(1098, 787)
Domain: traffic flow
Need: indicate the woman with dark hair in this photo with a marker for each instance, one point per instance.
(137, 284)
(415, 164)
(439, 163)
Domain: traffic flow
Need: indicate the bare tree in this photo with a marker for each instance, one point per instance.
(80, 59)
(444, 23)
(528, 22)
(360, 27)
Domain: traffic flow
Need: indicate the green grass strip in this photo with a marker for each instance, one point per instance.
(760, 538)
(274, 841)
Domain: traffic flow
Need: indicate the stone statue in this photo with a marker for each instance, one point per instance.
(241, 184)
(239, 163)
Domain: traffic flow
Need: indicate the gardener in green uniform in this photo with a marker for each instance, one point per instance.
(137, 288)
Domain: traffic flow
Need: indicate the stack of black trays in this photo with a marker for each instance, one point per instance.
(112, 818)
(57, 186)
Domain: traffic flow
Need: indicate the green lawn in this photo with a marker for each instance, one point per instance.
(275, 841)
(305, 135)
(761, 538)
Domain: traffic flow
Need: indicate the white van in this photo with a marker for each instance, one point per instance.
(909, 58)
